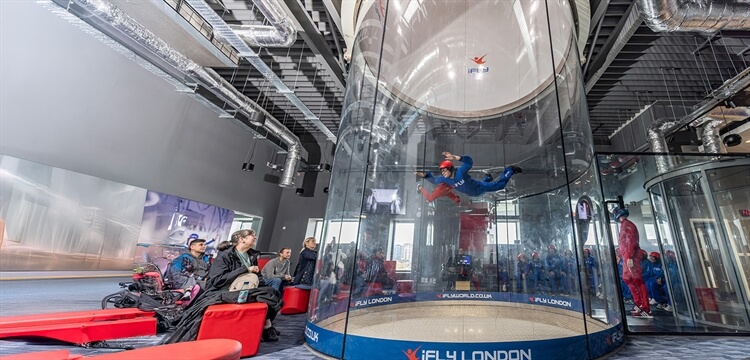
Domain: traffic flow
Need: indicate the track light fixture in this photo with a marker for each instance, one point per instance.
(257, 118)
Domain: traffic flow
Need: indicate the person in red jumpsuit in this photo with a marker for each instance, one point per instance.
(630, 250)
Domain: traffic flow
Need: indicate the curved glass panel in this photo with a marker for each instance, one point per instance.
(435, 267)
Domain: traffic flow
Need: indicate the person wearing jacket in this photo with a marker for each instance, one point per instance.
(237, 260)
(189, 268)
(656, 282)
(630, 251)
(461, 181)
(303, 275)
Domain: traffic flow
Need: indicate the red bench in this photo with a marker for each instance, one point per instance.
(241, 322)
(215, 349)
(46, 355)
(80, 327)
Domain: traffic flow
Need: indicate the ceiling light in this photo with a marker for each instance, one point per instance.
(257, 118)
(732, 140)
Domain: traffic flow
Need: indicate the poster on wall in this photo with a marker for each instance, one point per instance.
(170, 222)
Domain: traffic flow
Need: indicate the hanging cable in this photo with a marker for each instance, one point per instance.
(706, 87)
(679, 91)
(729, 55)
(669, 97)
(716, 60)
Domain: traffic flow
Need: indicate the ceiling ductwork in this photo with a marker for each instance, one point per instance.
(710, 137)
(222, 30)
(103, 11)
(281, 32)
(695, 15)
(656, 134)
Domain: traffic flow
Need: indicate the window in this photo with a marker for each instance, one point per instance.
(507, 232)
(402, 244)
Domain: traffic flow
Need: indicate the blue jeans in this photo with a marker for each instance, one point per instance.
(278, 284)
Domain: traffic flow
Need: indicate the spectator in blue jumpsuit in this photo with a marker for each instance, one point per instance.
(460, 180)
(656, 283)
(536, 275)
(570, 267)
(554, 264)
(522, 266)
(502, 274)
(592, 272)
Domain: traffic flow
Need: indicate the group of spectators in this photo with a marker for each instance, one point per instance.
(235, 267)
(556, 274)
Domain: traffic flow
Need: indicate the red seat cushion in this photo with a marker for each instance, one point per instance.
(86, 332)
(295, 301)
(47, 355)
(241, 322)
(214, 349)
(71, 317)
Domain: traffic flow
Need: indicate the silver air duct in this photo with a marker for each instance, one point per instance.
(281, 32)
(208, 78)
(222, 30)
(710, 137)
(656, 138)
(695, 15)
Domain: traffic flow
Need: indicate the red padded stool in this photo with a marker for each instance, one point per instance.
(241, 322)
(295, 300)
(404, 286)
(215, 349)
(373, 289)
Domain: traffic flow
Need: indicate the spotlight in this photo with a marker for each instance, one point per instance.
(732, 140)
(248, 166)
(300, 191)
(325, 189)
(257, 118)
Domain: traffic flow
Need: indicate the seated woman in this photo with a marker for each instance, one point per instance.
(235, 261)
(303, 275)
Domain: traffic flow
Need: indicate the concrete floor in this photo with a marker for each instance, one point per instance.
(39, 296)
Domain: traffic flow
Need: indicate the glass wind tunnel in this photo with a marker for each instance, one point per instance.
(519, 273)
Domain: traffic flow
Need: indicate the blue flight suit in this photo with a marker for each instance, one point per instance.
(536, 277)
(463, 182)
(554, 263)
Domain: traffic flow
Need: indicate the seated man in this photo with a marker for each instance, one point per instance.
(460, 179)
(189, 268)
(376, 272)
(276, 271)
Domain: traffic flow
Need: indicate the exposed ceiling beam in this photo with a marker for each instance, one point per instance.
(628, 24)
(308, 30)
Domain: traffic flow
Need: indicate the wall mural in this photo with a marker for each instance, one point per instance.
(169, 222)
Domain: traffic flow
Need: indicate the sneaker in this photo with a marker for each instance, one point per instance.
(516, 169)
(419, 187)
(652, 302)
(667, 308)
(660, 306)
(600, 295)
(276, 331)
(642, 314)
(269, 335)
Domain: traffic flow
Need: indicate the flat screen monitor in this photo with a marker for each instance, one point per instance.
(463, 260)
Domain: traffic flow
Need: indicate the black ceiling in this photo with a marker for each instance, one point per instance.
(623, 73)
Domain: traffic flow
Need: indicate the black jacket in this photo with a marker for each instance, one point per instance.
(227, 267)
(305, 267)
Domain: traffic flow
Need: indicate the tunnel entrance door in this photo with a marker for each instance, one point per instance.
(704, 242)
